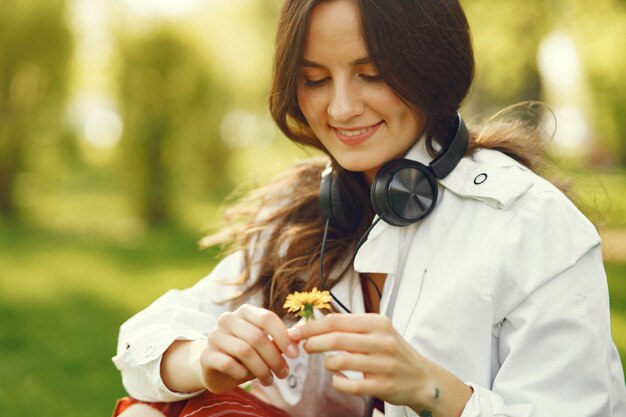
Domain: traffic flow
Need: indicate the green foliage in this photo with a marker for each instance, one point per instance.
(599, 28)
(506, 35)
(506, 38)
(33, 33)
(171, 111)
(603, 196)
(35, 46)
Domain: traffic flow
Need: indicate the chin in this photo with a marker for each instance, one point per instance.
(356, 166)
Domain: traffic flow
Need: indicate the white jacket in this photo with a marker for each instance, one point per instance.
(502, 284)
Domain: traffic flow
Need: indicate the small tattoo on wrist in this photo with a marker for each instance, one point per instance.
(428, 413)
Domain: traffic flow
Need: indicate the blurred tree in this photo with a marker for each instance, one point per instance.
(599, 29)
(506, 36)
(171, 111)
(35, 46)
(506, 39)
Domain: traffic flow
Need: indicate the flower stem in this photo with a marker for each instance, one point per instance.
(307, 313)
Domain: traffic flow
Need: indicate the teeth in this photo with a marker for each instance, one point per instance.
(353, 132)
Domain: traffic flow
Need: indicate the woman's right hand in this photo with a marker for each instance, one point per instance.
(248, 343)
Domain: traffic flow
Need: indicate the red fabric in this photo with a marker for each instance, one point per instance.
(233, 403)
(169, 409)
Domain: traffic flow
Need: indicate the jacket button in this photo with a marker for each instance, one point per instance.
(480, 178)
(149, 351)
(292, 381)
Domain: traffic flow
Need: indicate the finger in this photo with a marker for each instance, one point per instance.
(217, 381)
(267, 350)
(367, 386)
(369, 364)
(349, 342)
(354, 323)
(212, 359)
(271, 325)
(246, 355)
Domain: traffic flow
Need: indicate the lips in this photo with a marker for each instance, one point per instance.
(352, 133)
(357, 135)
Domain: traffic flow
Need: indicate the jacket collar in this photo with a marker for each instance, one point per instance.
(487, 176)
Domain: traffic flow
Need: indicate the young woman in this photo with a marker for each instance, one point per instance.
(493, 294)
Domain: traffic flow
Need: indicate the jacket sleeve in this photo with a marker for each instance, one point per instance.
(555, 353)
(188, 314)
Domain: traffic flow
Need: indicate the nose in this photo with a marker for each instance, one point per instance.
(345, 103)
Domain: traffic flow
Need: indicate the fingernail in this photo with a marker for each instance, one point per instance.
(283, 373)
(268, 381)
(292, 351)
(295, 333)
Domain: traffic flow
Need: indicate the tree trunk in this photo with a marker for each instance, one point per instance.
(11, 149)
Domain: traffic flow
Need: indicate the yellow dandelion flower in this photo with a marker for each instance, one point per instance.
(303, 303)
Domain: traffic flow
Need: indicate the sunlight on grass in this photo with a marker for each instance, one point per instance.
(94, 273)
(84, 266)
(65, 297)
(616, 273)
(126, 277)
(618, 328)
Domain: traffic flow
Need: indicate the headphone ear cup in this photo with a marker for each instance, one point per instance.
(404, 192)
(336, 206)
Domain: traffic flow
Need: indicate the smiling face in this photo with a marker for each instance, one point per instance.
(352, 111)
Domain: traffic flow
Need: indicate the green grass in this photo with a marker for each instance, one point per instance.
(87, 264)
(616, 274)
(63, 297)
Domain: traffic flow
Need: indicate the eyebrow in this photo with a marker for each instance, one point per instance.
(360, 61)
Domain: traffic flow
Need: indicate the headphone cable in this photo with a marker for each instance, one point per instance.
(358, 246)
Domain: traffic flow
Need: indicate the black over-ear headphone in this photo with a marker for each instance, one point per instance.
(403, 191)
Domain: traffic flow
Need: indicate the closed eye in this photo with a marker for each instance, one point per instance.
(371, 78)
(315, 83)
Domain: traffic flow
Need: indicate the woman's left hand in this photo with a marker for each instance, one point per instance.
(393, 370)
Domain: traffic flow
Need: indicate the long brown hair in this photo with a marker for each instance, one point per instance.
(422, 49)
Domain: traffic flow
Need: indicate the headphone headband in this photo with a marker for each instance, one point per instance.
(403, 191)
(448, 159)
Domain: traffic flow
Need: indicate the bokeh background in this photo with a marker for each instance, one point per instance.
(125, 125)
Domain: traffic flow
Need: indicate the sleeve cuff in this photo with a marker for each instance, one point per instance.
(482, 403)
(141, 370)
(163, 392)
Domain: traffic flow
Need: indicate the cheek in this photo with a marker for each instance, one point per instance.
(409, 119)
(303, 102)
(399, 108)
(383, 101)
(311, 105)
